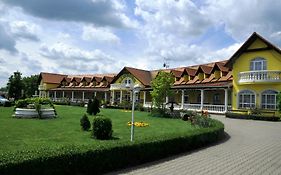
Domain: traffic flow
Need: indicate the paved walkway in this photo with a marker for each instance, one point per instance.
(253, 147)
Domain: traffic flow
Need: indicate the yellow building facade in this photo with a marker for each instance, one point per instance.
(250, 79)
(256, 69)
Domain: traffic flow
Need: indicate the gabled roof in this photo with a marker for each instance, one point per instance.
(51, 77)
(87, 79)
(97, 79)
(108, 79)
(206, 69)
(77, 79)
(221, 66)
(143, 76)
(247, 44)
(191, 71)
(66, 79)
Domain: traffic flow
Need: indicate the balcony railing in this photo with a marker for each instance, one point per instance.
(260, 76)
(41, 87)
(119, 86)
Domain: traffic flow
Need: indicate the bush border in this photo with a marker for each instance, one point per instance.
(98, 160)
(251, 117)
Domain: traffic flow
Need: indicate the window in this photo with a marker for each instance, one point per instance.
(185, 98)
(216, 99)
(258, 64)
(199, 98)
(269, 99)
(247, 99)
(127, 81)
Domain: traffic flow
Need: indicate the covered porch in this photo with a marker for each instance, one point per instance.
(216, 100)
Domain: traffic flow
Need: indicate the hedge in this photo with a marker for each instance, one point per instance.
(104, 158)
(251, 117)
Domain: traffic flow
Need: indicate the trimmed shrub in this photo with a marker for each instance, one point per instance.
(102, 128)
(251, 117)
(89, 107)
(85, 123)
(95, 106)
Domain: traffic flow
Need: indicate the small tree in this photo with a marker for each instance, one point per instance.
(161, 88)
(95, 106)
(85, 123)
(15, 86)
(89, 107)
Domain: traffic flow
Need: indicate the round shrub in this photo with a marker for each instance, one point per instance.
(102, 128)
(85, 123)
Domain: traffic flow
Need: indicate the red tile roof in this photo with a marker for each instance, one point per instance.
(51, 77)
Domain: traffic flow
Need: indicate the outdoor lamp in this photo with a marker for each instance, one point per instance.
(135, 90)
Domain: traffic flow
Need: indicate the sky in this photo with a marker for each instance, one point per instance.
(103, 36)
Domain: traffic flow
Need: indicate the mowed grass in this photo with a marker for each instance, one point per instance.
(28, 134)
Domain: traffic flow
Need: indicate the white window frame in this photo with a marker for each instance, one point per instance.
(246, 105)
(264, 102)
(127, 81)
(253, 64)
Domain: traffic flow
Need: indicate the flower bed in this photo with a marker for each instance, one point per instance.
(138, 124)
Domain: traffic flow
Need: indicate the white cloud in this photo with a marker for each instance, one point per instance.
(99, 34)
(24, 29)
(241, 18)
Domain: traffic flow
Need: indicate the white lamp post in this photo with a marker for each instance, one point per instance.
(135, 90)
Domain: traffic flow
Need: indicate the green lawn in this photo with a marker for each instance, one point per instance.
(27, 134)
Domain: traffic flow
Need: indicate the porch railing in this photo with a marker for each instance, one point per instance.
(197, 107)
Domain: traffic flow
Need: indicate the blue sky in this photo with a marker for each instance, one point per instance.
(100, 36)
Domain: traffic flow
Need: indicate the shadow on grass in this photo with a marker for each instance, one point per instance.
(128, 170)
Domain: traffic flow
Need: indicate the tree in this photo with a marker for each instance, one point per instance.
(161, 88)
(30, 85)
(89, 107)
(15, 85)
(96, 106)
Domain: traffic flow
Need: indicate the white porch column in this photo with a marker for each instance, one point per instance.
(144, 97)
(113, 97)
(62, 94)
(121, 96)
(105, 96)
(95, 94)
(167, 101)
(182, 98)
(72, 96)
(55, 95)
(48, 94)
(83, 96)
(40, 93)
(225, 99)
(202, 99)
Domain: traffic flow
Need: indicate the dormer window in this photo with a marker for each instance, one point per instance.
(258, 64)
(127, 81)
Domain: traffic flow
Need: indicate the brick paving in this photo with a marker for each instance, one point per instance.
(253, 147)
